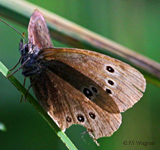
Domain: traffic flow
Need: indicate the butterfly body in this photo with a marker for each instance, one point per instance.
(78, 86)
(29, 58)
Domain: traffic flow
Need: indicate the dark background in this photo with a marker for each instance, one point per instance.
(134, 24)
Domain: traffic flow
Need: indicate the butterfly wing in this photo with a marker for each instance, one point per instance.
(38, 34)
(80, 86)
(87, 88)
(122, 83)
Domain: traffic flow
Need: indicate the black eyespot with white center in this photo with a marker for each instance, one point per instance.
(110, 69)
(80, 118)
(87, 92)
(68, 119)
(110, 82)
(94, 89)
(92, 115)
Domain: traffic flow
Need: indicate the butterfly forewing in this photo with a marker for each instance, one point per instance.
(38, 33)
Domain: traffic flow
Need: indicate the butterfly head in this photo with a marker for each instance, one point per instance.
(30, 62)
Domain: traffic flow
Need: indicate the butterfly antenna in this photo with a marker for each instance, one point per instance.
(23, 35)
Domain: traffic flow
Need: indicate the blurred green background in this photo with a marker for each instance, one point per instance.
(134, 24)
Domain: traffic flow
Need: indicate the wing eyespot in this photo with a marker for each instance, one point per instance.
(108, 91)
(110, 82)
(92, 115)
(68, 119)
(87, 92)
(80, 118)
(94, 89)
(110, 69)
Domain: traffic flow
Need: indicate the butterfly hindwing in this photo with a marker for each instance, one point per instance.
(67, 106)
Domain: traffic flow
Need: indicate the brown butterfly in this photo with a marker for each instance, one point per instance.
(77, 86)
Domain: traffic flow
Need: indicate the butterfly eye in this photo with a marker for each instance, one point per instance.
(110, 69)
(92, 115)
(80, 118)
(26, 49)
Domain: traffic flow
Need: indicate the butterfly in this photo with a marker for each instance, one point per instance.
(77, 86)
